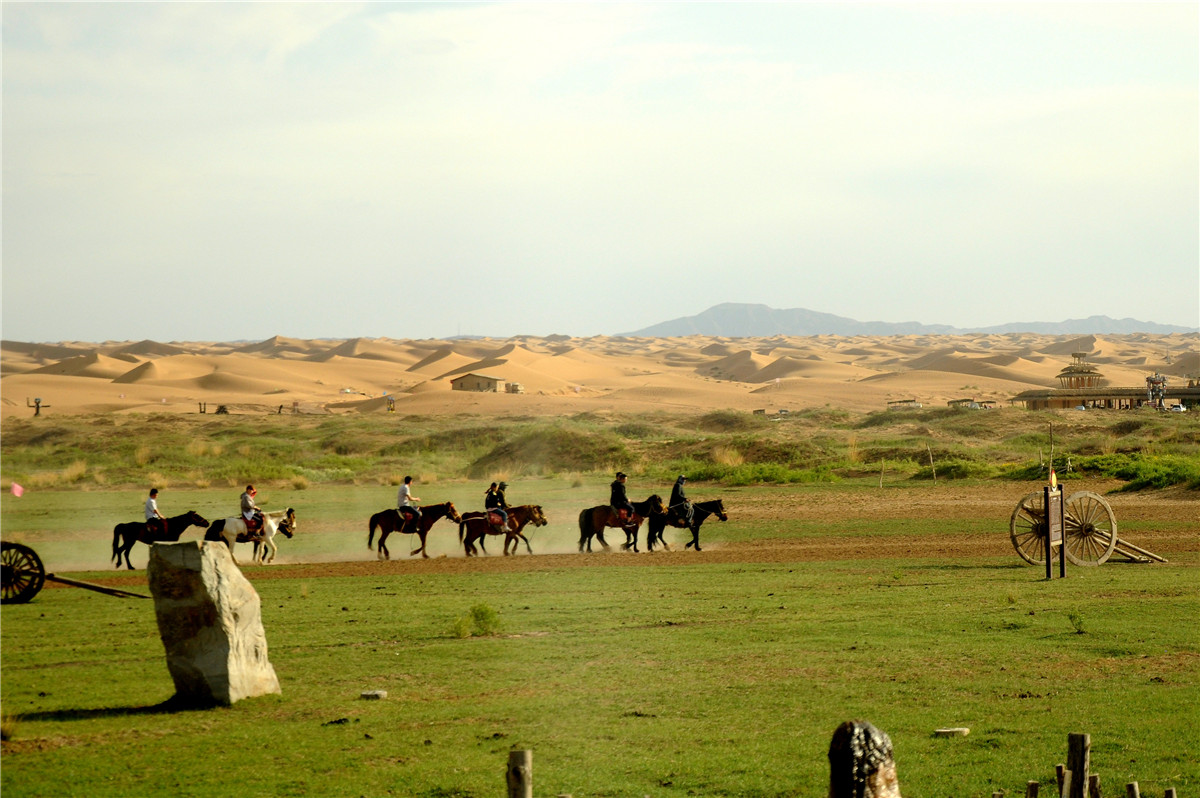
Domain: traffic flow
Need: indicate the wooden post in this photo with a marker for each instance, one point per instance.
(931, 466)
(1079, 747)
(1094, 786)
(520, 774)
(1031, 789)
(1060, 775)
(1132, 791)
(1170, 793)
(1068, 779)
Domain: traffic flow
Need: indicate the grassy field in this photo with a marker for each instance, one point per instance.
(697, 679)
(1143, 447)
(671, 676)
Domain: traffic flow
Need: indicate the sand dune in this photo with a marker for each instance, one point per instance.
(564, 375)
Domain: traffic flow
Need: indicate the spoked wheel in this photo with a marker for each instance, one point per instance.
(1091, 529)
(21, 573)
(1028, 528)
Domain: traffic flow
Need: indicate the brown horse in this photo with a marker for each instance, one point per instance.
(389, 521)
(700, 511)
(125, 535)
(593, 520)
(475, 527)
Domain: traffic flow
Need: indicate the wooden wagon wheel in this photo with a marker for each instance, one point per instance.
(21, 573)
(1027, 527)
(1090, 529)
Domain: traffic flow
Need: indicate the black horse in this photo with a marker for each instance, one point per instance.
(389, 521)
(700, 511)
(593, 520)
(125, 535)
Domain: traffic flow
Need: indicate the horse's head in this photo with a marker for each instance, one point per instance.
(536, 517)
(452, 513)
(720, 510)
(287, 524)
(195, 519)
(656, 504)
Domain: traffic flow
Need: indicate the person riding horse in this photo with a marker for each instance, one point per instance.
(251, 514)
(494, 502)
(618, 499)
(405, 503)
(156, 522)
(679, 504)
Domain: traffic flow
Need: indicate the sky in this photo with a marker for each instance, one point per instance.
(233, 171)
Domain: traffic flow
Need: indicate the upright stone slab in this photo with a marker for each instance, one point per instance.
(210, 621)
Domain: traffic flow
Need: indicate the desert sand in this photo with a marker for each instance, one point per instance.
(564, 375)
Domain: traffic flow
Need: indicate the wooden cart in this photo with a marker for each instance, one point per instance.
(1090, 533)
(22, 576)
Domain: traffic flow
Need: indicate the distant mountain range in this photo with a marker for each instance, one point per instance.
(736, 320)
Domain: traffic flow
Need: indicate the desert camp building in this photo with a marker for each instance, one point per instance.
(476, 382)
(1082, 385)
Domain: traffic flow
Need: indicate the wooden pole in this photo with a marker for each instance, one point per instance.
(1068, 780)
(1060, 775)
(1079, 748)
(1132, 791)
(1031, 789)
(931, 466)
(520, 774)
(1170, 793)
(1094, 786)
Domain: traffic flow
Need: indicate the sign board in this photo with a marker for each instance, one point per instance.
(1054, 530)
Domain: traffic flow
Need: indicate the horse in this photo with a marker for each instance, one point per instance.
(389, 521)
(125, 535)
(476, 527)
(593, 520)
(700, 511)
(233, 530)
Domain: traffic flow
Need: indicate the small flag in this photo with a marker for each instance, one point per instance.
(17, 490)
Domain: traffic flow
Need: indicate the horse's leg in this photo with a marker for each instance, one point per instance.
(421, 549)
(696, 536)
(383, 554)
(527, 546)
(269, 550)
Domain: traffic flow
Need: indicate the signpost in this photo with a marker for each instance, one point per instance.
(1054, 530)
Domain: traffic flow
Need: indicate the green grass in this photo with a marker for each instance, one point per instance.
(1148, 449)
(702, 679)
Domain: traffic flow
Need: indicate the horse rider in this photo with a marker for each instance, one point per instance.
(494, 502)
(156, 522)
(618, 500)
(679, 503)
(250, 512)
(406, 502)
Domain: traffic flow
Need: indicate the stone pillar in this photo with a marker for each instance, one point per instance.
(210, 621)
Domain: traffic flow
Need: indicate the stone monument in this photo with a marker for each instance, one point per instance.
(210, 620)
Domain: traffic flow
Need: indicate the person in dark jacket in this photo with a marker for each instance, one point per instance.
(618, 498)
(494, 501)
(679, 504)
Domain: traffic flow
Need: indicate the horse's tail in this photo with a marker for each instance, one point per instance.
(462, 525)
(116, 557)
(371, 532)
(585, 522)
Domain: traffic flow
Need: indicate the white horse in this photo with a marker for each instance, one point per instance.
(233, 530)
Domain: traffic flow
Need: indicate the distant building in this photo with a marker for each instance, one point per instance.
(904, 404)
(972, 404)
(476, 382)
(1084, 387)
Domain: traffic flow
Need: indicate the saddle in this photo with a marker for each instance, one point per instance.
(255, 525)
(495, 519)
(156, 526)
(621, 513)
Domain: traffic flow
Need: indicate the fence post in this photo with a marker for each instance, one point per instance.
(1031, 789)
(1132, 791)
(1060, 775)
(1094, 786)
(1078, 752)
(520, 774)
(1170, 793)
